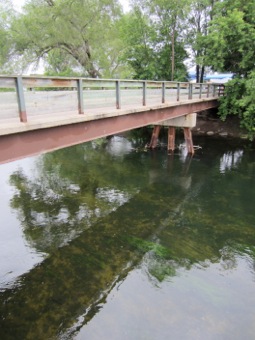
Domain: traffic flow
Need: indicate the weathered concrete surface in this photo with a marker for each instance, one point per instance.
(187, 121)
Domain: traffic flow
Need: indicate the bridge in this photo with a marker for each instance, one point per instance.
(40, 114)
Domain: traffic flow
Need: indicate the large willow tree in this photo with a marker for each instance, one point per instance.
(82, 30)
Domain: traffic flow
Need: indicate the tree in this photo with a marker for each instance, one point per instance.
(239, 100)
(81, 29)
(59, 63)
(83, 37)
(231, 39)
(230, 47)
(138, 37)
(201, 12)
(154, 44)
(169, 19)
(6, 13)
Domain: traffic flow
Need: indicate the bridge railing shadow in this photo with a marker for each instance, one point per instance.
(25, 96)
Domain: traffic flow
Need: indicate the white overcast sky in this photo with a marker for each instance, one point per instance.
(19, 3)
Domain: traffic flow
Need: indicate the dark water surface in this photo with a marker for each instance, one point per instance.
(107, 241)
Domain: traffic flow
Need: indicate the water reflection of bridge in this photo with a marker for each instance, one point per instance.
(40, 114)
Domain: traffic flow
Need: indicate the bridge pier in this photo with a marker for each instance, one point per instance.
(171, 139)
(186, 122)
(154, 136)
(188, 140)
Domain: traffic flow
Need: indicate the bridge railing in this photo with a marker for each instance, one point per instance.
(22, 96)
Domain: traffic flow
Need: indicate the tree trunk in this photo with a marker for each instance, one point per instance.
(83, 56)
(197, 73)
(173, 52)
(202, 74)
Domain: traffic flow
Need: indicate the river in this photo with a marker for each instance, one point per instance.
(107, 240)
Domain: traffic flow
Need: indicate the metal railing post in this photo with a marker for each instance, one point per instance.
(21, 100)
(144, 93)
(200, 91)
(208, 90)
(163, 92)
(118, 105)
(221, 90)
(190, 91)
(178, 92)
(80, 96)
(214, 90)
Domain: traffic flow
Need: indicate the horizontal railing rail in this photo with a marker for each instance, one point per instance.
(115, 89)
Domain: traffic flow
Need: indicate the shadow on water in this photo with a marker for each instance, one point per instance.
(99, 211)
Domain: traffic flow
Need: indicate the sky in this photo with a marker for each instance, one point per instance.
(19, 3)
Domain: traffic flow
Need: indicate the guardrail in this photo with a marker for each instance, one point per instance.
(164, 90)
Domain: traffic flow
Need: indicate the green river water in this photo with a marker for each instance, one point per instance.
(106, 240)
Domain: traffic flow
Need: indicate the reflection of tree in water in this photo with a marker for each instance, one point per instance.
(71, 189)
(76, 186)
(213, 223)
(165, 227)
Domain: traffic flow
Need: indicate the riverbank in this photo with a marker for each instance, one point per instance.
(211, 125)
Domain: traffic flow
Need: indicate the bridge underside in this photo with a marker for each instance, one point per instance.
(16, 145)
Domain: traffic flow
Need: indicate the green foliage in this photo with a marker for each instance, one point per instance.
(6, 13)
(81, 30)
(168, 18)
(229, 104)
(164, 66)
(200, 14)
(231, 40)
(149, 41)
(138, 36)
(145, 246)
(58, 63)
(239, 100)
(230, 48)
